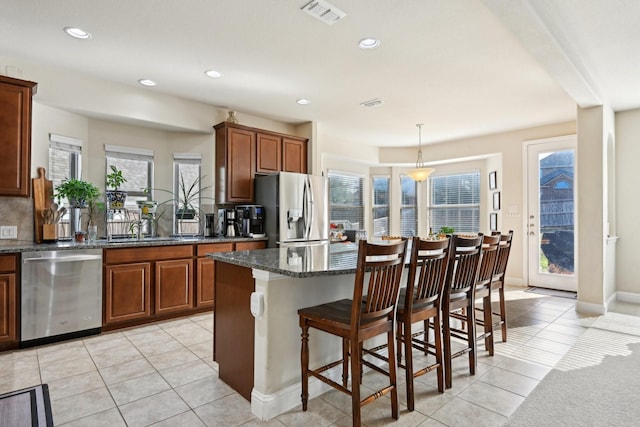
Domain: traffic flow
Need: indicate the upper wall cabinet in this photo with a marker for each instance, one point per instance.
(15, 136)
(242, 152)
(294, 155)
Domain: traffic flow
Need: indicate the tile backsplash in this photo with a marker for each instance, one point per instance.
(17, 211)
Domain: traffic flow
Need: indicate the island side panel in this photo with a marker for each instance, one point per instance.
(234, 327)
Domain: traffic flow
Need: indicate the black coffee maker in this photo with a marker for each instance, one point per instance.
(250, 220)
(227, 224)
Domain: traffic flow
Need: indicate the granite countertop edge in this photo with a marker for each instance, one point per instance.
(124, 243)
(235, 258)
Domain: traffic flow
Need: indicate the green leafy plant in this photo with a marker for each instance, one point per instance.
(115, 178)
(78, 192)
(447, 230)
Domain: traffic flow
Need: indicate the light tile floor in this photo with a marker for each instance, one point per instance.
(163, 375)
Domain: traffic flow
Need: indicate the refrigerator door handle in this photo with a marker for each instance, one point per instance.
(309, 207)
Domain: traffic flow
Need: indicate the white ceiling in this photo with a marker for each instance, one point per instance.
(462, 67)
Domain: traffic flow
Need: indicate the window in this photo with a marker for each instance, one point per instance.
(408, 217)
(380, 203)
(187, 176)
(455, 202)
(65, 161)
(137, 168)
(346, 205)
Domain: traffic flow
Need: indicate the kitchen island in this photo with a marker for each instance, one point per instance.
(260, 356)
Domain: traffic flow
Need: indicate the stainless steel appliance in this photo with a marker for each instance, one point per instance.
(296, 207)
(227, 222)
(61, 295)
(250, 220)
(209, 225)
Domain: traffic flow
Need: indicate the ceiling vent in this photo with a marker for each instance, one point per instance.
(324, 11)
(372, 102)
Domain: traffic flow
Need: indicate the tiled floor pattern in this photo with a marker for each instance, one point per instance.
(163, 375)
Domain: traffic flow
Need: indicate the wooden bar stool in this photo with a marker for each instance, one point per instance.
(420, 302)
(498, 280)
(459, 294)
(367, 315)
(483, 289)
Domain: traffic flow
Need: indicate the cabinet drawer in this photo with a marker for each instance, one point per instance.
(126, 255)
(206, 248)
(247, 246)
(8, 263)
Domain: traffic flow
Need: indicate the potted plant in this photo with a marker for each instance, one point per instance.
(77, 192)
(115, 197)
(189, 198)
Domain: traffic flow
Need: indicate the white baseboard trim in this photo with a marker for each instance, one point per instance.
(587, 307)
(268, 406)
(631, 297)
(515, 281)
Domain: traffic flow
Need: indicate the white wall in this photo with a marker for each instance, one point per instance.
(627, 202)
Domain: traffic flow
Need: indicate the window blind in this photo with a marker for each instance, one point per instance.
(408, 217)
(380, 209)
(455, 202)
(346, 204)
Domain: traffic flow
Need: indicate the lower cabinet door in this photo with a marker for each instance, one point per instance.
(127, 292)
(204, 282)
(8, 323)
(174, 285)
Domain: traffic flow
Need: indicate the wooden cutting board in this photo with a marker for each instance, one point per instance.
(42, 199)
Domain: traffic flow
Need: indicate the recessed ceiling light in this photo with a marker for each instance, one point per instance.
(303, 101)
(77, 33)
(147, 82)
(213, 74)
(368, 43)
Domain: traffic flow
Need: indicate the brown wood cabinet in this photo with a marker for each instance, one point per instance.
(235, 163)
(143, 283)
(127, 292)
(8, 300)
(268, 153)
(242, 152)
(294, 155)
(247, 246)
(205, 272)
(174, 285)
(15, 136)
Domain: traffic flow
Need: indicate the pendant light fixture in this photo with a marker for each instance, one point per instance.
(420, 173)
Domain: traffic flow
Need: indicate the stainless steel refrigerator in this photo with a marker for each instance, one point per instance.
(296, 208)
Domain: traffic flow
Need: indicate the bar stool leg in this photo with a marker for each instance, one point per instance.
(304, 362)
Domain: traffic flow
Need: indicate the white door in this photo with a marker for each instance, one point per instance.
(552, 213)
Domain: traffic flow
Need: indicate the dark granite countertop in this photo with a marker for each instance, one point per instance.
(118, 243)
(300, 261)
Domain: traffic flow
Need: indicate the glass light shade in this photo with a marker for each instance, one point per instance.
(420, 174)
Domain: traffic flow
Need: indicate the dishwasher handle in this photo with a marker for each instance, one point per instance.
(72, 258)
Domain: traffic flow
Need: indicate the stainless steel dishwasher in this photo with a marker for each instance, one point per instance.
(61, 295)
